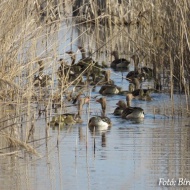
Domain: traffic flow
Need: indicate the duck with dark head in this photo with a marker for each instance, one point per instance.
(119, 62)
(141, 94)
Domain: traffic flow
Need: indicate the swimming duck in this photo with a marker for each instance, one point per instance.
(100, 122)
(57, 120)
(62, 120)
(77, 117)
(119, 62)
(141, 73)
(143, 94)
(125, 92)
(132, 74)
(132, 112)
(69, 120)
(136, 74)
(109, 89)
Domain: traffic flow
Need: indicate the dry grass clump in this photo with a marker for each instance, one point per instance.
(18, 144)
(25, 26)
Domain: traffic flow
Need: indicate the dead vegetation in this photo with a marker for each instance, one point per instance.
(157, 32)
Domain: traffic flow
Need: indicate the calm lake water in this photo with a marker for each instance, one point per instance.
(130, 155)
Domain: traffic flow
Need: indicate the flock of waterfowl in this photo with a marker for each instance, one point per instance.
(87, 72)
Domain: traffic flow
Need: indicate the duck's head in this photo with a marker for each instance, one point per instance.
(121, 104)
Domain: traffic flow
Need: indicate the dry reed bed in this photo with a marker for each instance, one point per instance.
(23, 30)
(157, 31)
